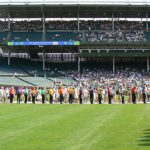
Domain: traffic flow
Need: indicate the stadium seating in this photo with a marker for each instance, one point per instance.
(26, 26)
(117, 36)
(61, 36)
(38, 81)
(28, 68)
(33, 68)
(147, 36)
(26, 36)
(3, 36)
(64, 80)
(83, 36)
(37, 36)
(37, 25)
(12, 81)
(10, 70)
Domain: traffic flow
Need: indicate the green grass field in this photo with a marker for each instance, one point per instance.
(74, 127)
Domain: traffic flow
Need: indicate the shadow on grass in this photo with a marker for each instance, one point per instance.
(145, 139)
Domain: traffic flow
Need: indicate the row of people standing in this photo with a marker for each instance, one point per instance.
(78, 94)
(28, 94)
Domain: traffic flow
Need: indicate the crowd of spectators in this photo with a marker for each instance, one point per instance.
(95, 73)
(61, 25)
(3, 26)
(90, 31)
(35, 25)
(26, 25)
(117, 36)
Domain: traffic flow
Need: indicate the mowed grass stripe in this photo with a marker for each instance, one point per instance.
(123, 132)
(73, 127)
(93, 133)
(60, 128)
(75, 116)
(28, 118)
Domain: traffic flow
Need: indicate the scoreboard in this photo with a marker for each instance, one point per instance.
(45, 43)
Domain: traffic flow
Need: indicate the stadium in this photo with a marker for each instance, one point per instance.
(84, 55)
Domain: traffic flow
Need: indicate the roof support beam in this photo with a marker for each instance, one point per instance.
(78, 21)
(146, 22)
(9, 25)
(113, 26)
(43, 21)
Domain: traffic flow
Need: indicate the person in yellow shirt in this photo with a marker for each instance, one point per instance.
(117, 96)
(51, 93)
(99, 93)
(34, 94)
(71, 95)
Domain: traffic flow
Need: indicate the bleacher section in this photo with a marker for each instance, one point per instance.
(147, 36)
(26, 36)
(88, 31)
(61, 36)
(24, 73)
(12, 81)
(29, 66)
(83, 36)
(3, 36)
(34, 68)
(10, 70)
(38, 81)
(64, 80)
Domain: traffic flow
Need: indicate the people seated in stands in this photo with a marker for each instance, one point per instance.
(91, 30)
(37, 25)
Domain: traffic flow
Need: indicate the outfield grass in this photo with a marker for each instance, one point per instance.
(74, 127)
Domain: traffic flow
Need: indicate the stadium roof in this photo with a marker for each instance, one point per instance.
(70, 8)
(75, 2)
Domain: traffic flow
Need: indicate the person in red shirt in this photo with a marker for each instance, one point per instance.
(133, 92)
(61, 91)
(11, 94)
(109, 95)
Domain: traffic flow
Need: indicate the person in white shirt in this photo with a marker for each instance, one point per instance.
(2, 94)
(76, 95)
